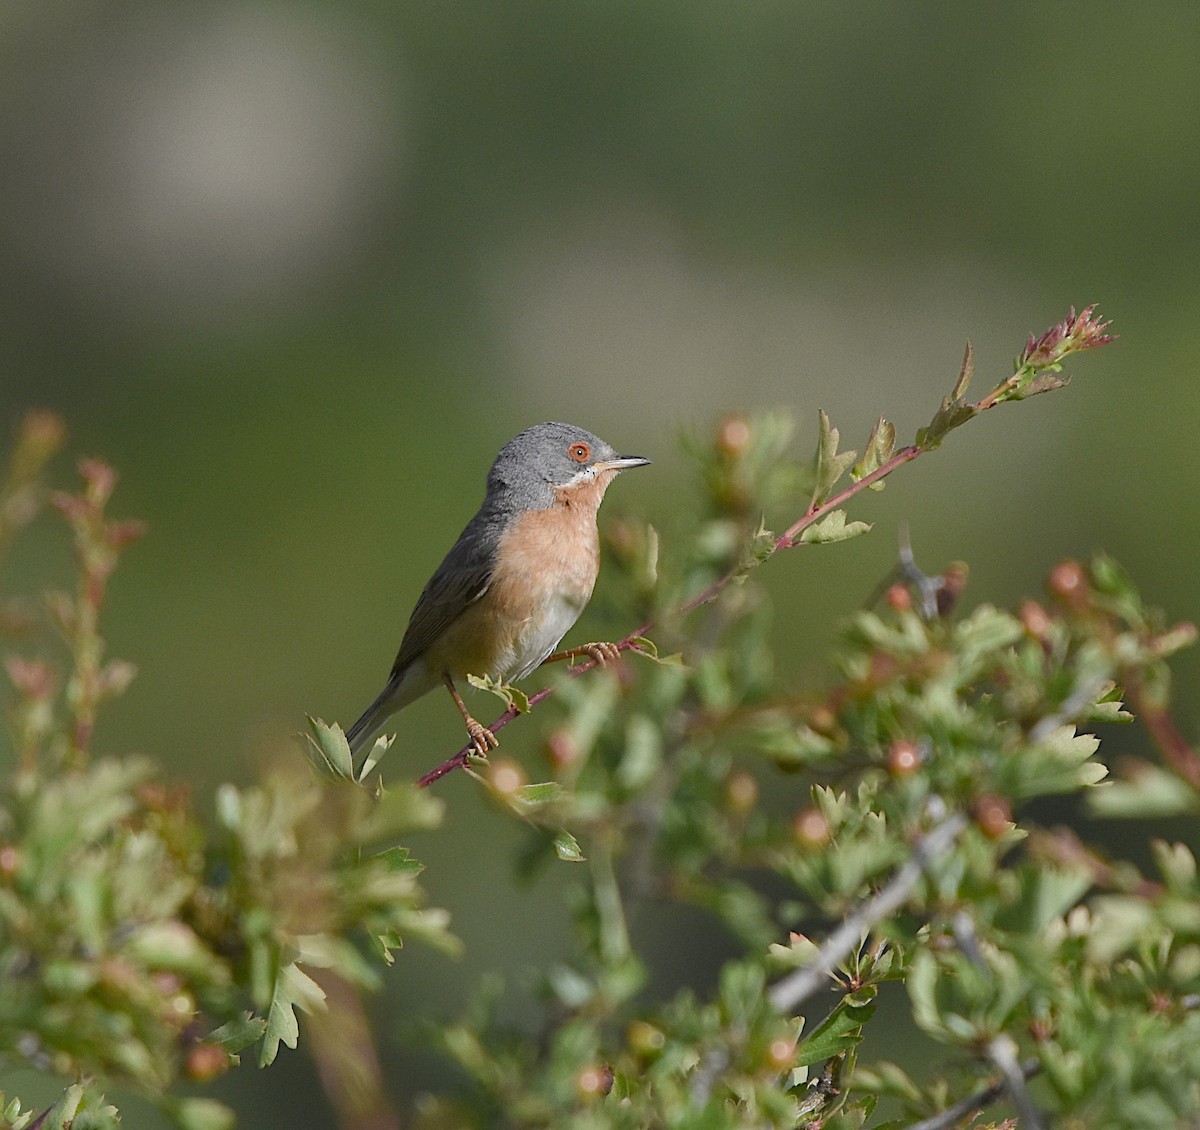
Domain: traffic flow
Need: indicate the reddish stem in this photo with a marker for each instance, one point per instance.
(786, 540)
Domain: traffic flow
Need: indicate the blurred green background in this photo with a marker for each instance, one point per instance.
(299, 270)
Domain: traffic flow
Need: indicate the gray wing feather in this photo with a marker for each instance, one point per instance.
(460, 580)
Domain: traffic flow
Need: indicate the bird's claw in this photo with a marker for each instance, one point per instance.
(481, 737)
(600, 653)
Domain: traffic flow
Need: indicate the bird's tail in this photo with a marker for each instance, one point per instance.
(371, 719)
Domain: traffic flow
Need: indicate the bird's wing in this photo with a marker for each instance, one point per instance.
(460, 580)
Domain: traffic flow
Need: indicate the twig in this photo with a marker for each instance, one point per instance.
(1002, 1051)
(1041, 355)
(984, 1098)
(786, 540)
(787, 995)
(1173, 746)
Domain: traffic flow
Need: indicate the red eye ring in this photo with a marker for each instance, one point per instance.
(579, 452)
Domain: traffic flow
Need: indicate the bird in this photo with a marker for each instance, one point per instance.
(514, 582)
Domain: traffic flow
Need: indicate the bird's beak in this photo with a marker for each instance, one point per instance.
(620, 463)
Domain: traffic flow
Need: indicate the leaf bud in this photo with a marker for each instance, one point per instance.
(1068, 582)
(594, 1080)
(645, 1039)
(206, 1061)
(781, 1054)
(561, 749)
(505, 777)
(993, 815)
(810, 828)
(904, 758)
(1035, 618)
(733, 436)
(741, 792)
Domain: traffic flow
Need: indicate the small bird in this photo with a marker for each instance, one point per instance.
(516, 580)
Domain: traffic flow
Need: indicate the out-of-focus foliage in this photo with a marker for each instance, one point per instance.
(137, 945)
(876, 830)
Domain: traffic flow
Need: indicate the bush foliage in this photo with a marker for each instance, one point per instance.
(871, 830)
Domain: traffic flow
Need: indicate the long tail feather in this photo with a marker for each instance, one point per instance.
(371, 719)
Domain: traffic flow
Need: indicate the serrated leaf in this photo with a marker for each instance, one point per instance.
(954, 412)
(239, 1033)
(838, 1032)
(1066, 745)
(567, 847)
(1150, 792)
(293, 989)
(382, 745)
(385, 943)
(763, 545)
(332, 751)
(829, 465)
(880, 445)
(832, 528)
(512, 697)
(399, 861)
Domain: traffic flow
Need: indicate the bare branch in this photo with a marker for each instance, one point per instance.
(984, 1098)
(787, 995)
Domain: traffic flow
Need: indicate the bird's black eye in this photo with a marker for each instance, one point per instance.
(580, 452)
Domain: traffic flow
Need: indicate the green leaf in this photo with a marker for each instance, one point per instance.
(763, 546)
(954, 412)
(644, 646)
(838, 1032)
(382, 745)
(965, 373)
(742, 987)
(80, 1108)
(640, 645)
(200, 1114)
(239, 1033)
(328, 749)
(833, 527)
(567, 848)
(538, 795)
(399, 861)
(293, 989)
(513, 697)
(880, 445)
(1177, 865)
(642, 758)
(14, 1117)
(829, 465)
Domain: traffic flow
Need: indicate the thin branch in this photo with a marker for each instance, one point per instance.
(787, 995)
(1076, 332)
(786, 540)
(1002, 1051)
(972, 1103)
(1174, 747)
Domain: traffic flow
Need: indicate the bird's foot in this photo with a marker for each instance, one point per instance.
(481, 737)
(601, 653)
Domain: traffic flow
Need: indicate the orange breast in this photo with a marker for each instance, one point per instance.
(545, 569)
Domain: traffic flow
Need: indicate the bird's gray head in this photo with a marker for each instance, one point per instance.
(547, 456)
